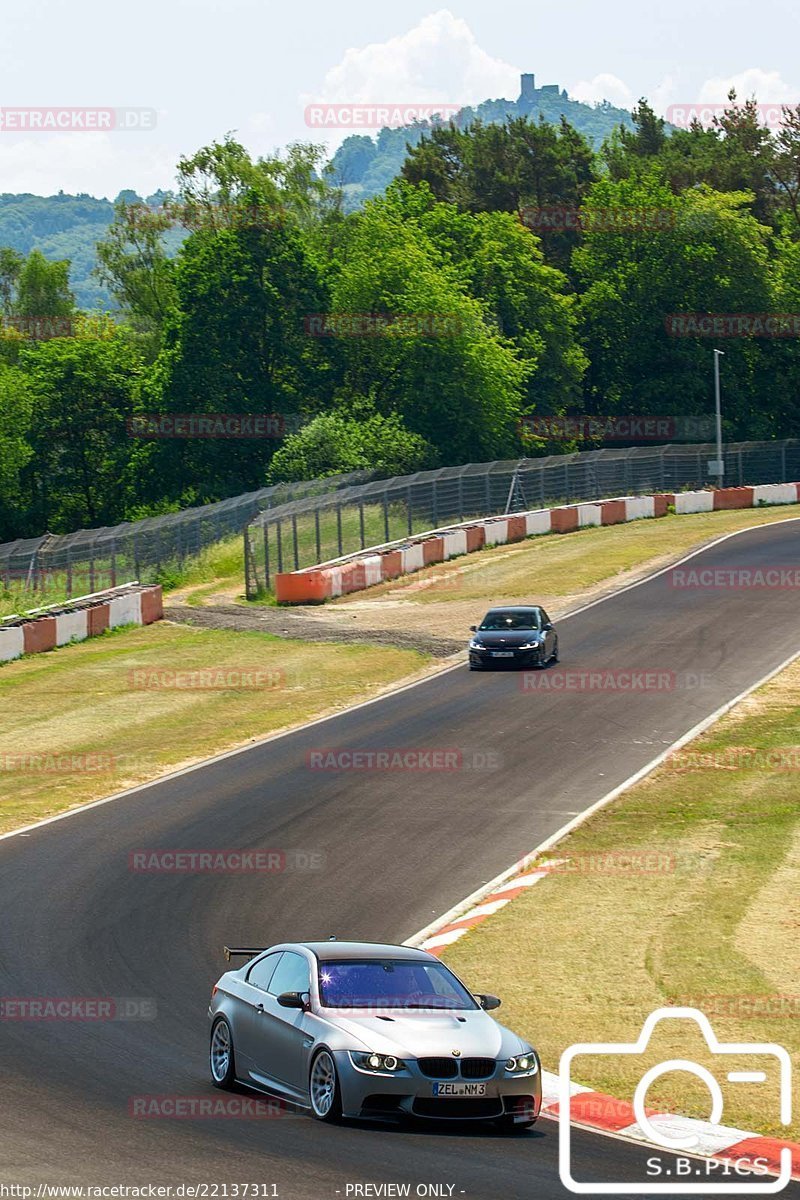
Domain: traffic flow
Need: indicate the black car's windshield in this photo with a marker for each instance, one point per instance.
(390, 983)
(502, 618)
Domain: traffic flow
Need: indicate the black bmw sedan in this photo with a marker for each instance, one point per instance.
(521, 636)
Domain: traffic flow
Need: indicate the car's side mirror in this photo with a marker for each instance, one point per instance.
(488, 1002)
(293, 1000)
(548, 625)
(474, 628)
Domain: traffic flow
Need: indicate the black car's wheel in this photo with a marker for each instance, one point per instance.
(220, 1056)
(323, 1088)
(554, 655)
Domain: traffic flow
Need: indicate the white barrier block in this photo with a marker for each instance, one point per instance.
(589, 514)
(125, 610)
(413, 558)
(12, 643)
(638, 507)
(538, 522)
(496, 532)
(455, 543)
(72, 626)
(335, 576)
(694, 502)
(775, 493)
(373, 569)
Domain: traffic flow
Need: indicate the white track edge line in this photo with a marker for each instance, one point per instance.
(394, 691)
(508, 874)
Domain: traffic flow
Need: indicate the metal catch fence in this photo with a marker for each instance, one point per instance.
(319, 528)
(93, 559)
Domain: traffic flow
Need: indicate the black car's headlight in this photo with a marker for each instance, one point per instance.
(529, 646)
(473, 645)
(381, 1064)
(523, 1064)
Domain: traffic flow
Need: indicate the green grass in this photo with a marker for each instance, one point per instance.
(117, 729)
(560, 565)
(711, 919)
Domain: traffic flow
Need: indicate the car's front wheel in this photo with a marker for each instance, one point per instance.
(554, 655)
(220, 1056)
(323, 1087)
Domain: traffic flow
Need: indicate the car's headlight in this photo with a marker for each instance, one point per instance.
(529, 646)
(473, 645)
(381, 1064)
(523, 1064)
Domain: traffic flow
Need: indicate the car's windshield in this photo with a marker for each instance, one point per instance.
(501, 618)
(390, 983)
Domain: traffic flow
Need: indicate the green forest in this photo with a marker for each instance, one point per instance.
(511, 269)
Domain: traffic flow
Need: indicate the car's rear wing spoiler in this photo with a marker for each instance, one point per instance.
(241, 952)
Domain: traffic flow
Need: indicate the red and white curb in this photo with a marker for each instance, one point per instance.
(596, 1111)
(492, 903)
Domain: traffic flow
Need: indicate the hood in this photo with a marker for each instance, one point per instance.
(506, 637)
(415, 1035)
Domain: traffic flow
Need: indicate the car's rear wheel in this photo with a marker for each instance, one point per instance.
(221, 1057)
(323, 1087)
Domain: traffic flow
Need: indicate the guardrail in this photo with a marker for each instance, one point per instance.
(290, 537)
(87, 616)
(379, 564)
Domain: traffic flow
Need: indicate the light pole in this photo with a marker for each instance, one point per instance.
(717, 466)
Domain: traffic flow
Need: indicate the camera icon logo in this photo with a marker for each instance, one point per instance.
(663, 1131)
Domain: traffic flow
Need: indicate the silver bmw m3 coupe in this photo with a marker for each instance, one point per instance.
(357, 1029)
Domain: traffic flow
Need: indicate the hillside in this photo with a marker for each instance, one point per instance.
(364, 166)
(66, 226)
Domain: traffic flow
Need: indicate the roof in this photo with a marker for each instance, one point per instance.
(514, 607)
(335, 951)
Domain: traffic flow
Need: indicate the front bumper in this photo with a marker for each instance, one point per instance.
(512, 658)
(411, 1094)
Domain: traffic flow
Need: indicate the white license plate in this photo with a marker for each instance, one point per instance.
(459, 1089)
(502, 654)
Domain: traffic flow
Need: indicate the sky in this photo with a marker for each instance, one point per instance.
(193, 70)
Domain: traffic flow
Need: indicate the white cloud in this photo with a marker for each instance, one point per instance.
(603, 87)
(766, 86)
(438, 60)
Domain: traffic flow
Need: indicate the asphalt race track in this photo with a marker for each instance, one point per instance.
(399, 848)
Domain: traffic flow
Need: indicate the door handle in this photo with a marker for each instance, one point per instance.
(260, 1009)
